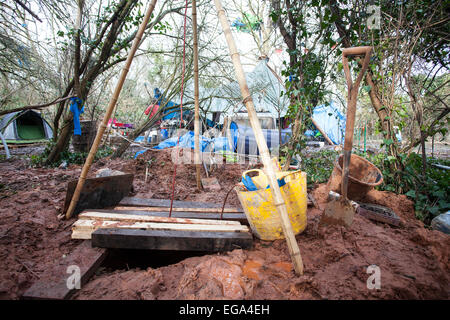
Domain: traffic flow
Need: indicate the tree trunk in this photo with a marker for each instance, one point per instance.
(83, 86)
(63, 140)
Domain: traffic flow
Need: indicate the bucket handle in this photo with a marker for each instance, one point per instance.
(245, 173)
(288, 173)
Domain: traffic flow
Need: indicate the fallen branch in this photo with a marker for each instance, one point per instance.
(20, 3)
(58, 100)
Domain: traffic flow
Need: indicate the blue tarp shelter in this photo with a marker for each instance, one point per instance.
(331, 121)
(171, 114)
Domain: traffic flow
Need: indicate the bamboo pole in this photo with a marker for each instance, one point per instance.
(109, 110)
(197, 159)
(262, 145)
(322, 132)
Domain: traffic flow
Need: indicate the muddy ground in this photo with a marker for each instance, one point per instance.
(413, 260)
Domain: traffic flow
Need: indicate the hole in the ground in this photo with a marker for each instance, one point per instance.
(124, 259)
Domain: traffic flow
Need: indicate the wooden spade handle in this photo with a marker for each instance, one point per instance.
(353, 89)
(356, 51)
(351, 107)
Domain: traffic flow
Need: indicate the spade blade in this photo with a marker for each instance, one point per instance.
(338, 211)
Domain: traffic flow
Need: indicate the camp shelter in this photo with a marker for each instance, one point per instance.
(26, 126)
(264, 86)
(330, 120)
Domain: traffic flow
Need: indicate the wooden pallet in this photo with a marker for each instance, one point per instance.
(145, 224)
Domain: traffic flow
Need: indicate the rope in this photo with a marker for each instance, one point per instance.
(181, 106)
(225, 201)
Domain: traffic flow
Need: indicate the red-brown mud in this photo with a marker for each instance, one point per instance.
(413, 260)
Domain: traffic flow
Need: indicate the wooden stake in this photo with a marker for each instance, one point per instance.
(109, 110)
(197, 159)
(322, 132)
(262, 145)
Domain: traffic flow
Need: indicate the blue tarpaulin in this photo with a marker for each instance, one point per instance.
(188, 141)
(331, 121)
(169, 114)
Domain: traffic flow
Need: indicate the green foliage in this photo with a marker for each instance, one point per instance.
(69, 157)
(319, 165)
(430, 192)
(307, 28)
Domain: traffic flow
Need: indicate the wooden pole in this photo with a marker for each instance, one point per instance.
(322, 132)
(262, 145)
(109, 110)
(197, 159)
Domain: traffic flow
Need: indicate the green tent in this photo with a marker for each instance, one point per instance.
(25, 127)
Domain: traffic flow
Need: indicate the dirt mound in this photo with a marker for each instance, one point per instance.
(160, 178)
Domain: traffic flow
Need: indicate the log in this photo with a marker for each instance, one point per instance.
(171, 240)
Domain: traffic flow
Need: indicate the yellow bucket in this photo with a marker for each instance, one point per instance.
(261, 213)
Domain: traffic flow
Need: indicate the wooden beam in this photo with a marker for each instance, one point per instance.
(82, 229)
(322, 132)
(99, 192)
(54, 284)
(95, 215)
(240, 217)
(141, 202)
(205, 210)
(171, 240)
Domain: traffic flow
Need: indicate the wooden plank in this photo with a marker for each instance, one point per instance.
(240, 217)
(90, 215)
(141, 202)
(322, 132)
(99, 192)
(171, 240)
(87, 258)
(82, 229)
(206, 210)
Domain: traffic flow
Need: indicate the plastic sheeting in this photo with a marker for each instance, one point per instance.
(442, 222)
(244, 141)
(331, 121)
(188, 141)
